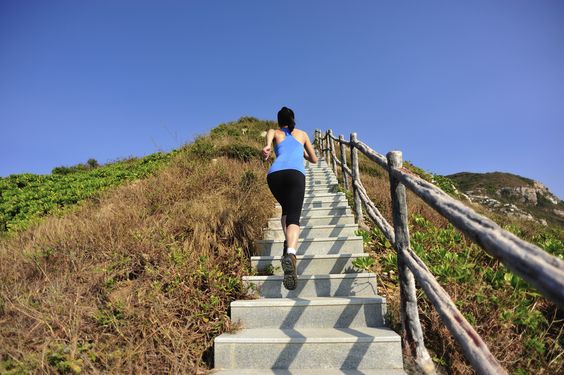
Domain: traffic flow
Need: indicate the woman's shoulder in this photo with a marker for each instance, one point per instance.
(300, 133)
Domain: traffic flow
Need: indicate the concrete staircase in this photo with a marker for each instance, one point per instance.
(333, 322)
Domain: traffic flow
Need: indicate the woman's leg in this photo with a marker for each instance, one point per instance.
(292, 234)
(294, 203)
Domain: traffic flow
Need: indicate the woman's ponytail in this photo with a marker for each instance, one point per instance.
(286, 118)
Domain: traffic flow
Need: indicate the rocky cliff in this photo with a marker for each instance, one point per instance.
(511, 195)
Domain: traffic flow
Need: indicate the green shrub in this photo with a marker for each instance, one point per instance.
(26, 197)
(203, 148)
(364, 263)
(240, 152)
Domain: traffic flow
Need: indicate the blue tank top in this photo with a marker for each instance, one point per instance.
(289, 154)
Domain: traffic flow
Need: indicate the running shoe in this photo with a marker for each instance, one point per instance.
(289, 267)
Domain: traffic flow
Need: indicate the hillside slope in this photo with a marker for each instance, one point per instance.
(26, 198)
(522, 329)
(138, 280)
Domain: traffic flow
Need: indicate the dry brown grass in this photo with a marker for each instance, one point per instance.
(138, 281)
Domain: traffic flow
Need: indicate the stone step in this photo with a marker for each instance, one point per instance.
(311, 246)
(321, 164)
(322, 175)
(284, 313)
(342, 230)
(248, 371)
(327, 187)
(327, 171)
(321, 204)
(317, 220)
(321, 211)
(324, 195)
(309, 264)
(321, 189)
(310, 348)
(326, 285)
(308, 212)
(319, 183)
(329, 197)
(318, 170)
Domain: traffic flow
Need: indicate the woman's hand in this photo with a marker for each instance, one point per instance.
(266, 152)
(267, 148)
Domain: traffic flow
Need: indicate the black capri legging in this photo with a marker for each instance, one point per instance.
(288, 187)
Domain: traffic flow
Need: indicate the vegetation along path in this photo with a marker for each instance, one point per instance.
(333, 321)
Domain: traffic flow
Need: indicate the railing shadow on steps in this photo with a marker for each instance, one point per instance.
(540, 269)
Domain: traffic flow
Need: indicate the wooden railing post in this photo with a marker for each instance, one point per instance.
(332, 152)
(323, 146)
(343, 162)
(320, 145)
(412, 336)
(316, 139)
(327, 147)
(356, 177)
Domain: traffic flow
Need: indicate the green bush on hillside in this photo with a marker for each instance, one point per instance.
(240, 152)
(202, 148)
(90, 164)
(246, 127)
(25, 198)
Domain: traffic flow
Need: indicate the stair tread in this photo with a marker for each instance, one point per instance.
(313, 277)
(309, 372)
(316, 239)
(323, 208)
(323, 226)
(311, 256)
(310, 335)
(277, 219)
(307, 301)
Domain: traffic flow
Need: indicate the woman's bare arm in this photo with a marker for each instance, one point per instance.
(309, 150)
(269, 138)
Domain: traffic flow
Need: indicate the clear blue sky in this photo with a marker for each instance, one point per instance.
(456, 85)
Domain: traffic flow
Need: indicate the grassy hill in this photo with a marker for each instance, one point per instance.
(139, 279)
(137, 275)
(26, 198)
(488, 181)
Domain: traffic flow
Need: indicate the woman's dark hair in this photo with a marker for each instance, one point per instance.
(286, 118)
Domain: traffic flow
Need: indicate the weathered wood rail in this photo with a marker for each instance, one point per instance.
(540, 269)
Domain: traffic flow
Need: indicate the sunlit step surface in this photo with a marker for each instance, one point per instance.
(337, 285)
(248, 371)
(317, 220)
(341, 230)
(310, 348)
(319, 245)
(309, 264)
(336, 312)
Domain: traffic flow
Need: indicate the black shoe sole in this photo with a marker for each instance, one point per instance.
(290, 277)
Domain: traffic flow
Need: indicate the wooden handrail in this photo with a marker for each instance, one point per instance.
(542, 270)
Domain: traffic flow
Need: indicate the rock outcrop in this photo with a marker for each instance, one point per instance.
(528, 194)
(511, 195)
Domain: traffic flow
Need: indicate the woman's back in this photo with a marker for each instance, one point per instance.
(289, 153)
